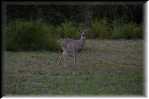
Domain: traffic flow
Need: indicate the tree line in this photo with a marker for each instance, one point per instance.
(56, 14)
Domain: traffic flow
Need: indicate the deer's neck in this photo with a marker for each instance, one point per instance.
(82, 42)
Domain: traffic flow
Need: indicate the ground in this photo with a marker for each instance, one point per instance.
(104, 68)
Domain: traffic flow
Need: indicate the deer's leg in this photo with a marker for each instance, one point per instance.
(59, 59)
(64, 59)
(74, 59)
(74, 56)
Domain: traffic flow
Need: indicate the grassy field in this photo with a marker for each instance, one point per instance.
(104, 68)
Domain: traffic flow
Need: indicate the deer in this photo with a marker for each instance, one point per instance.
(71, 47)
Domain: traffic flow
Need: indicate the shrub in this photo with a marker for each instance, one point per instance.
(27, 35)
(138, 31)
(127, 31)
(68, 29)
(100, 29)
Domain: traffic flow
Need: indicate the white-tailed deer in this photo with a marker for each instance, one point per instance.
(71, 47)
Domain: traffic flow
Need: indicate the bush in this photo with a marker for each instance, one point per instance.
(26, 35)
(127, 31)
(68, 29)
(100, 29)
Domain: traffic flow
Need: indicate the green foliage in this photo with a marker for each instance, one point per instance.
(127, 30)
(37, 35)
(117, 29)
(100, 29)
(68, 29)
(26, 35)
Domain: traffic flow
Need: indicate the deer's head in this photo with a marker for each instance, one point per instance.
(83, 37)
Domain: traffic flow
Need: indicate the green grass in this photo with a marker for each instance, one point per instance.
(104, 68)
